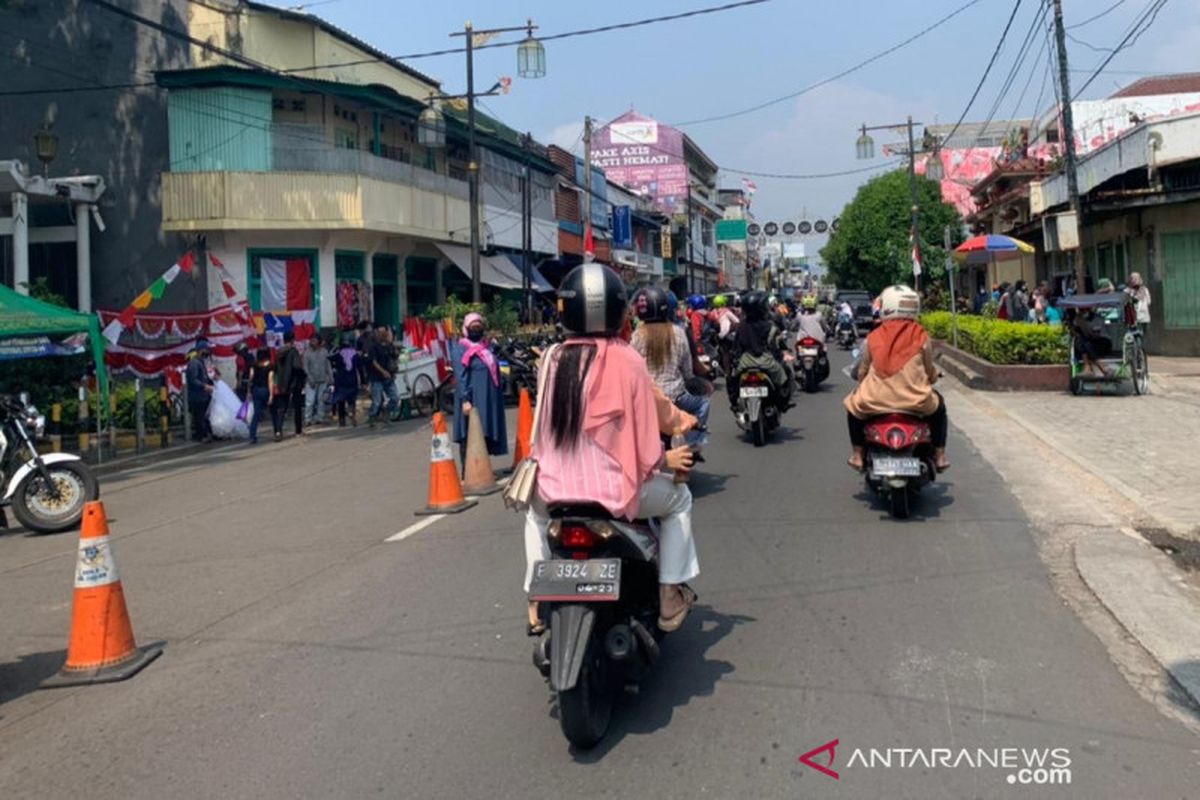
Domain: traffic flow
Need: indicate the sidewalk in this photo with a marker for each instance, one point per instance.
(1176, 377)
(1142, 448)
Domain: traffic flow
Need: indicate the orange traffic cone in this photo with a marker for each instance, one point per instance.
(445, 492)
(479, 478)
(101, 647)
(524, 428)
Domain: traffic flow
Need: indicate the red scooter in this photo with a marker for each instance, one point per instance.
(898, 459)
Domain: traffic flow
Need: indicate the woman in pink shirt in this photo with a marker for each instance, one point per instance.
(598, 440)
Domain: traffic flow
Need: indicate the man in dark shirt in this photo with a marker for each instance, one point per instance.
(381, 372)
(199, 392)
(289, 386)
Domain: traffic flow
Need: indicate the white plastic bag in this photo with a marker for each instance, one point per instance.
(222, 413)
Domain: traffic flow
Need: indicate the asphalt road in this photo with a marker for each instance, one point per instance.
(306, 657)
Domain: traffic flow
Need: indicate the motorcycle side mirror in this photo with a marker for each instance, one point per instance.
(856, 352)
(24, 398)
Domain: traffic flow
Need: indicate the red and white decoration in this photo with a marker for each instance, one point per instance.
(286, 284)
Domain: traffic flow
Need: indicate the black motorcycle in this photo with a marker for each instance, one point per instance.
(47, 493)
(758, 404)
(599, 592)
(812, 363)
(846, 337)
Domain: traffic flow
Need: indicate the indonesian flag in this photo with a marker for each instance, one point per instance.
(916, 256)
(749, 186)
(286, 284)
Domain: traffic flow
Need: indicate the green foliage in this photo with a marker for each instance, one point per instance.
(40, 290)
(871, 250)
(1000, 341)
(502, 315)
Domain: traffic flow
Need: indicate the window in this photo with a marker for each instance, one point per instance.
(297, 105)
(346, 138)
(706, 233)
(1052, 135)
(277, 104)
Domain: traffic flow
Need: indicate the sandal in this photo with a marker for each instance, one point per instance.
(859, 467)
(673, 623)
(535, 628)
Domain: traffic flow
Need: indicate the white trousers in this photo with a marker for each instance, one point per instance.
(661, 498)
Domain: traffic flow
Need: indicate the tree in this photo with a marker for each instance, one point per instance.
(871, 249)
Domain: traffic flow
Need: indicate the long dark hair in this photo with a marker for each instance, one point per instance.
(566, 400)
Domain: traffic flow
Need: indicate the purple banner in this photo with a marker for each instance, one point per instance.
(640, 154)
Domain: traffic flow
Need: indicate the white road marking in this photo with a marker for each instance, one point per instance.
(416, 527)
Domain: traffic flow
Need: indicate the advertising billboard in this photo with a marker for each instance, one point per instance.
(639, 153)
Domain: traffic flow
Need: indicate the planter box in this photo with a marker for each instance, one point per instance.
(984, 375)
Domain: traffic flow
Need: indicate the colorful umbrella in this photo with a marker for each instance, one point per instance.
(991, 247)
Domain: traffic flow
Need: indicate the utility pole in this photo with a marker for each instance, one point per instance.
(916, 208)
(691, 243)
(1067, 137)
(587, 182)
(527, 231)
(473, 168)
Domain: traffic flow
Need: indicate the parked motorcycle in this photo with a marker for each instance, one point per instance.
(898, 459)
(812, 363)
(599, 590)
(47, 493)
(759, 405)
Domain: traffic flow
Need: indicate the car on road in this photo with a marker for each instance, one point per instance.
(861, 302)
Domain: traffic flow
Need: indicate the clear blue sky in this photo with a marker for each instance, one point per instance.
(722, 62)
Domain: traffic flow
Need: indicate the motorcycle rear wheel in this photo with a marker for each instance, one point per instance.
(900, 502)
(758, 429)
(585, 710)
(41, 513)
(810, 381)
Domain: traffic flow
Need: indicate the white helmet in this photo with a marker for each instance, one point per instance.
(899, 302)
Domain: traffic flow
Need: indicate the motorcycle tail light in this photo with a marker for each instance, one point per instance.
(753, 378)
(578, 536)
(808, 341)
(896, 438)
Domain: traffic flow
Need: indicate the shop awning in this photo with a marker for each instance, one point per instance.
(540, 284)
(495, 271)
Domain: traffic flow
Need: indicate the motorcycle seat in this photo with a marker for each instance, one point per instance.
(585, 511)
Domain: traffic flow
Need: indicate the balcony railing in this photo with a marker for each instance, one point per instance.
(303, 148)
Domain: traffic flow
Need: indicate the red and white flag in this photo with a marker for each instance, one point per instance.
(916, 256)
(286, 284)
(749, 186)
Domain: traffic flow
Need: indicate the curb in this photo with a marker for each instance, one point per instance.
(1146, 594)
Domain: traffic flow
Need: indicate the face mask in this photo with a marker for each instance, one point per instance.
(475, 334)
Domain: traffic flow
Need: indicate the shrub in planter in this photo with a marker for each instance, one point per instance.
(1000, 341)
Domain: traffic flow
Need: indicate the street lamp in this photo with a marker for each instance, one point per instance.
(431, 125)
(865, 148)
(46, 145)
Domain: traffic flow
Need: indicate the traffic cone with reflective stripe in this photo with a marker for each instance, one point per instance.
(479, 478)
(445, 491)
(524, 428)
(101, 647)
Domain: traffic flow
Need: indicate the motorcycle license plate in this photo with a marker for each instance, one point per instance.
(892, 467)
(753, 391)
(566, 580)
(809, 351)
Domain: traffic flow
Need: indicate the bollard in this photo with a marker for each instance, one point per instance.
(56, 427)
(84, 436)
(164, 416)
(139, 413)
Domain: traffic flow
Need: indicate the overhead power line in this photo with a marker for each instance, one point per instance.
(1140, 26)
(813, 176)
(1092, 19)
(832, 78)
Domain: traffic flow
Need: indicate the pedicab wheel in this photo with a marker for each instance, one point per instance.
(900, 501)
(1141, 372)
(1076, 386)
(424, 395)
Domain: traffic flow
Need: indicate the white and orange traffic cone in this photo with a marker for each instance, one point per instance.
(445, 491)
(479, 478)
(101, 647)
(524, 428)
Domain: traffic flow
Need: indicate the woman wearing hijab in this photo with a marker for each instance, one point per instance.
(896, 375)
(477, 385)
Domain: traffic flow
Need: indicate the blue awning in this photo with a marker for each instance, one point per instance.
(540, 284)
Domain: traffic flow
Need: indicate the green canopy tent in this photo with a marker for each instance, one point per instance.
(25, 316)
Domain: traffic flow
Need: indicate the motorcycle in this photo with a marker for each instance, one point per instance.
(600, 591)
(758, 405)
(845, 336)
(812, 361)
(47, 493)
(898, 460)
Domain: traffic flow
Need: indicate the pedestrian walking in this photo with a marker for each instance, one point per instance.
(261, 379)
(288, 390)
(381, 371)
(477, 385)
(199, 391)
(319, 375)
(243, 363)
(1141, 295)
(346, 363)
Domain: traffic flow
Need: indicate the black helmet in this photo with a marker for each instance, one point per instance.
(592, 301)
(754, 303)
(652, 305)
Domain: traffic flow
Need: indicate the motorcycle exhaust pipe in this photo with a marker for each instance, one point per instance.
(646, 640)
(619, 643)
